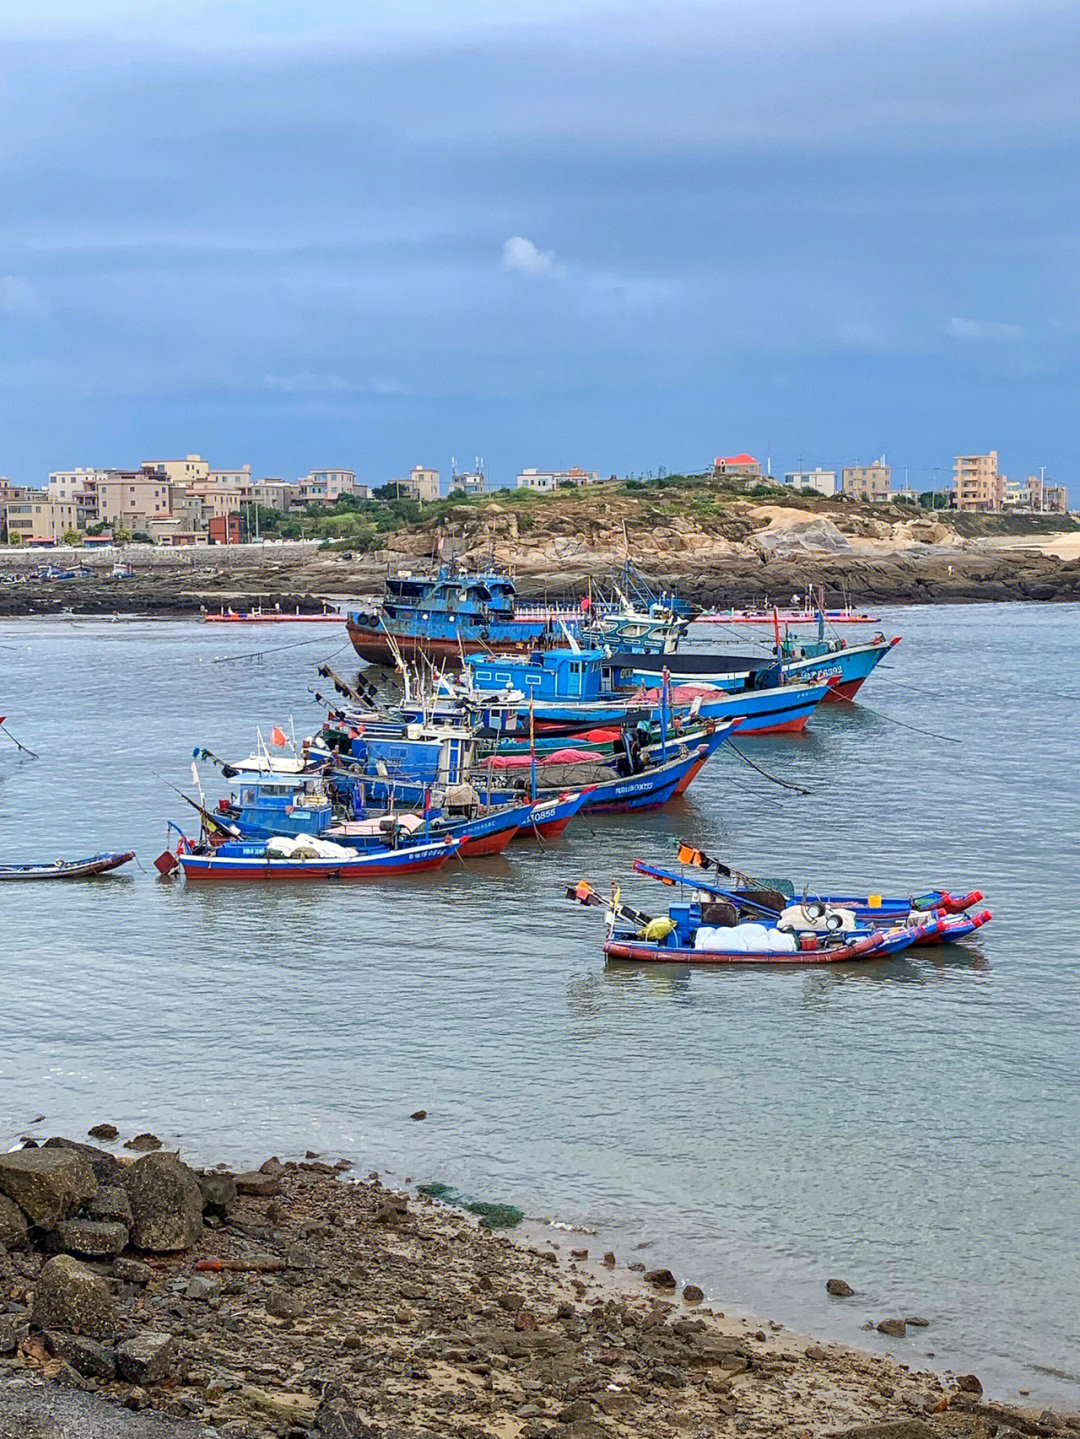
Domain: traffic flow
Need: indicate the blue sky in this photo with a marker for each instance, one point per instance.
(621, 235)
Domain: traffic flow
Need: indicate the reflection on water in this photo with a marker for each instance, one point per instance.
(910, 1122)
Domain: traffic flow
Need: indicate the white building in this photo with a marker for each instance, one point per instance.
(532, 479)
(824, 481)
(469, 482)
(231, 479)
(425, 483)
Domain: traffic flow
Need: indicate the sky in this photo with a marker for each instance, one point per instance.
(612, 233)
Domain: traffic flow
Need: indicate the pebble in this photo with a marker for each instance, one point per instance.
(418, 1114)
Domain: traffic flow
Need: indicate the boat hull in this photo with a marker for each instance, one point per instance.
(216, 868)
(374, 646)
(877, 945)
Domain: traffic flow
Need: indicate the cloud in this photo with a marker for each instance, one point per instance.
(309, 384)
(982, 330)
(523, 257)
(19, 296)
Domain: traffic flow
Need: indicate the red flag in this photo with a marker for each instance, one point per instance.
(278, 738)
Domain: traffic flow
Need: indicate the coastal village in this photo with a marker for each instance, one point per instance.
(186, 501)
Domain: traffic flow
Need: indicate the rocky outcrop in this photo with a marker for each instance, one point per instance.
(13, 1225)
(48, 1185)
(166, 1203)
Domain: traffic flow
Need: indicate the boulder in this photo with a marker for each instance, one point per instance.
(103, 1131)
(71, 1299)
(110, 1203)
(261, 1183)
(166, 1203)
(47, 1184)
(147, 1357)
(894, 1328)
(13, 1226)
(839, 1288)
(107, 1168)
(92, 1238)
(86, 1356)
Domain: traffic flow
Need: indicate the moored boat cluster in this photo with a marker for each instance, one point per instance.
(495, 727)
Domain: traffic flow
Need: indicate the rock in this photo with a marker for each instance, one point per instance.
(339, 1419)
(46, 1184)
(48, 1411)
(13, 1226)
(282, 1305)
(418, 1114)
(132, 1271)
(147, 1357)
(86, 1356)
(916, 1323)
(143, 1142)
(107, 1168)
(71, 1299)
(104, 1131)
(884, 1429)
(218, 1192)
(969, 1384)
(203, 1286)
(660, 1278)
(263, 1184)
(839, 1288)
(608, 1260)
(111, 1202)
(894, 1328)
(511, 1300)
(9, 1339)
(166, 1203)
(692, 1294)
(92, 1238)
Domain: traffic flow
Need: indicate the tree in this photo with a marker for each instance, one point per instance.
(72, 537)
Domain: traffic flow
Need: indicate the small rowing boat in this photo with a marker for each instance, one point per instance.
(68, 868)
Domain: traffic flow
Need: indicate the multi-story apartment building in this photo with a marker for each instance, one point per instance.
(977, 483)
(425, 483)
(191, 470)
(130, 499)
(1046, 499)
(532, 479)
(470, 482)
(867, 482)
(323, 487)
(275, 494)
(823, 481)
(35, 519)
(231, 479)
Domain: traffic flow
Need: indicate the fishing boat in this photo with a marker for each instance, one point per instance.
(273, 617)
(303, 858)
(776, 901)
(743, 933)
(68, 868)
(807, 615)
(568, 688)
(449, 614)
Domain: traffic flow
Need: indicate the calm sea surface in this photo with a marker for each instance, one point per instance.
(911, 1125)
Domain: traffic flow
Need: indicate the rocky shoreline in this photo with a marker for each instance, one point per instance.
(712, 570)
(144, 1299)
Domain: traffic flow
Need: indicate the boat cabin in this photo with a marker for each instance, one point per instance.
(481, 596)
(554, 674)
(280, 804)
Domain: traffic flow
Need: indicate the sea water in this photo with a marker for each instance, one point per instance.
(910, 1125)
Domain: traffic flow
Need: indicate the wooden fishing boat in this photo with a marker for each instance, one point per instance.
(68, 868)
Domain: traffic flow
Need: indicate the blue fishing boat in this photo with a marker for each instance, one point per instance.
(574, 687)
(745, 933)
(306, 858)
(454, 612)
